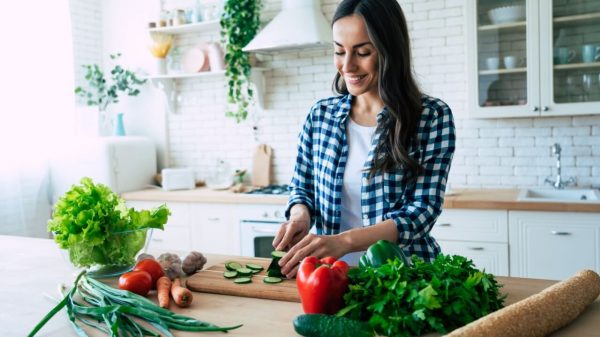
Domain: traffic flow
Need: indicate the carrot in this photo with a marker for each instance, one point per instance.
(163, 288)
(181, 296)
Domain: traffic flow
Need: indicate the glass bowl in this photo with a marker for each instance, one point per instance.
(115, 256)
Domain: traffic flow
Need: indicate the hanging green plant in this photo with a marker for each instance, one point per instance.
(240, 22)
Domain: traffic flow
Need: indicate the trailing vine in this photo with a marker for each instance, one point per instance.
(240, 22)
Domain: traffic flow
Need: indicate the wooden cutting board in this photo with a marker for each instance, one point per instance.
(211, 280)
(261, 166)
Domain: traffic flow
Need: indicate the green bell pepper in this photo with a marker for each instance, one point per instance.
(380, 252)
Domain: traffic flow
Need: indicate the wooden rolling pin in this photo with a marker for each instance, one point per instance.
(539, 314)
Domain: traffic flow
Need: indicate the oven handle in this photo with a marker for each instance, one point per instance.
(263, 227)
(264, 230)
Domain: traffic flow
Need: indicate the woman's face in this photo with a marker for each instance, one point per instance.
(356, 59)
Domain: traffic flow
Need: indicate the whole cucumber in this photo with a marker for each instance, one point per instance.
(321, 325)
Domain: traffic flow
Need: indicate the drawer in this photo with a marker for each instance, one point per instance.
(493, 257)
(472, 225)
(171, 239)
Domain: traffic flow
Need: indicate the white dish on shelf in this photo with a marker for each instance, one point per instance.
(507, 14)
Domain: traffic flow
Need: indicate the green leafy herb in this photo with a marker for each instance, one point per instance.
(240, 22)
(398, 300)
(96, 226)
(101, 93)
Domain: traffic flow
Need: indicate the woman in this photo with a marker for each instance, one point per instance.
(372, 164)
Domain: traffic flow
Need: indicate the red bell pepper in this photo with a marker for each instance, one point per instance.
(322, 284)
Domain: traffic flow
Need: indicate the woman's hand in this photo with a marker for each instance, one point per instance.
(312, 245)
(293, 230)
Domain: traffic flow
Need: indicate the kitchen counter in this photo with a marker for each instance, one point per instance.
(459, 198)
(205, 195)
(34, 267)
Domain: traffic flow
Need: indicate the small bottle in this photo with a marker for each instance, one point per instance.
(179, 17)
(163, 18)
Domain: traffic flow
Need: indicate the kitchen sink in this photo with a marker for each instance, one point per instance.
(553, 195)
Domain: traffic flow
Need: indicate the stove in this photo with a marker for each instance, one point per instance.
(272, 189)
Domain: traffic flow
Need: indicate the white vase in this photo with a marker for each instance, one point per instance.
(105, 124)
(161, 66)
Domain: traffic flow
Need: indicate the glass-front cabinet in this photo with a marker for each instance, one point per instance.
(533, 58)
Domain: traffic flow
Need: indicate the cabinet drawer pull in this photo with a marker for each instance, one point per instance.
(214, 219)
(560, 233)
(157, 240)
(444, 224)
(475, 248)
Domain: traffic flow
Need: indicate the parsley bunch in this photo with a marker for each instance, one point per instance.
(398, 300)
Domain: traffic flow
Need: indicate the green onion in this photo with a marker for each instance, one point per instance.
(112, 311)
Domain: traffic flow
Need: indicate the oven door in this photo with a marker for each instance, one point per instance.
(256, 237)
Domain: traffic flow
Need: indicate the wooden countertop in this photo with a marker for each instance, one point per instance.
(34, 267)
(459, 198)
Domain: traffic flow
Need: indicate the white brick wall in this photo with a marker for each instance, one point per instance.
(490, 153)
(86, 23)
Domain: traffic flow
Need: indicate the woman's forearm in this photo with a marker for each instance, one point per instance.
(360, 239)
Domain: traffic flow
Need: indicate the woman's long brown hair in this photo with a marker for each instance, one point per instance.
(399, 91)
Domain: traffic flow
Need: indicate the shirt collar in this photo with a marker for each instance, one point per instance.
(342, 110)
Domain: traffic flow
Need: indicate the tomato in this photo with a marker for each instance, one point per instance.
(136, 281)
(151, 267)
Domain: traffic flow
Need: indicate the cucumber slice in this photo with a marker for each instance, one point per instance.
(278, 254)
(254, 266)
(242, 280)
(244, 271)
(255, 271)
(272, 280)
(274, 269)
(232, 265)
(230, 274)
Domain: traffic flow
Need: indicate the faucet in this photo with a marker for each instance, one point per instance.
(558, 183)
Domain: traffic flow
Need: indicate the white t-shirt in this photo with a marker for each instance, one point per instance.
(359, 143)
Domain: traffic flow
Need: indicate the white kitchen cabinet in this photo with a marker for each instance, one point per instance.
(489, 256)
(480, 235)
(215, 228)
(177, 233)
(553, 245)
(547, 74)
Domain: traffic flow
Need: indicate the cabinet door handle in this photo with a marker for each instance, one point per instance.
(444, 224)
(214, 219)
(560, 233)
(475, 248)
(546, 108)
(535, 108)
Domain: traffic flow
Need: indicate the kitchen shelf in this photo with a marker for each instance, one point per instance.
(207, 26)
(186, 75)
(503, 71)
(577, 19)
(510, 25)
(166, 84)
(577, 66)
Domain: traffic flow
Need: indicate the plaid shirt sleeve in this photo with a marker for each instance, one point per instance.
(423, 201)
(302, 191)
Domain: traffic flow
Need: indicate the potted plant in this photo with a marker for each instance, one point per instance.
(240, 22)
(101, 93)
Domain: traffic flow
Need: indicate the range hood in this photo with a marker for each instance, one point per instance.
(300, 24)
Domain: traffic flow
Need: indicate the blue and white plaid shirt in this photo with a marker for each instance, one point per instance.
(321, 161)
